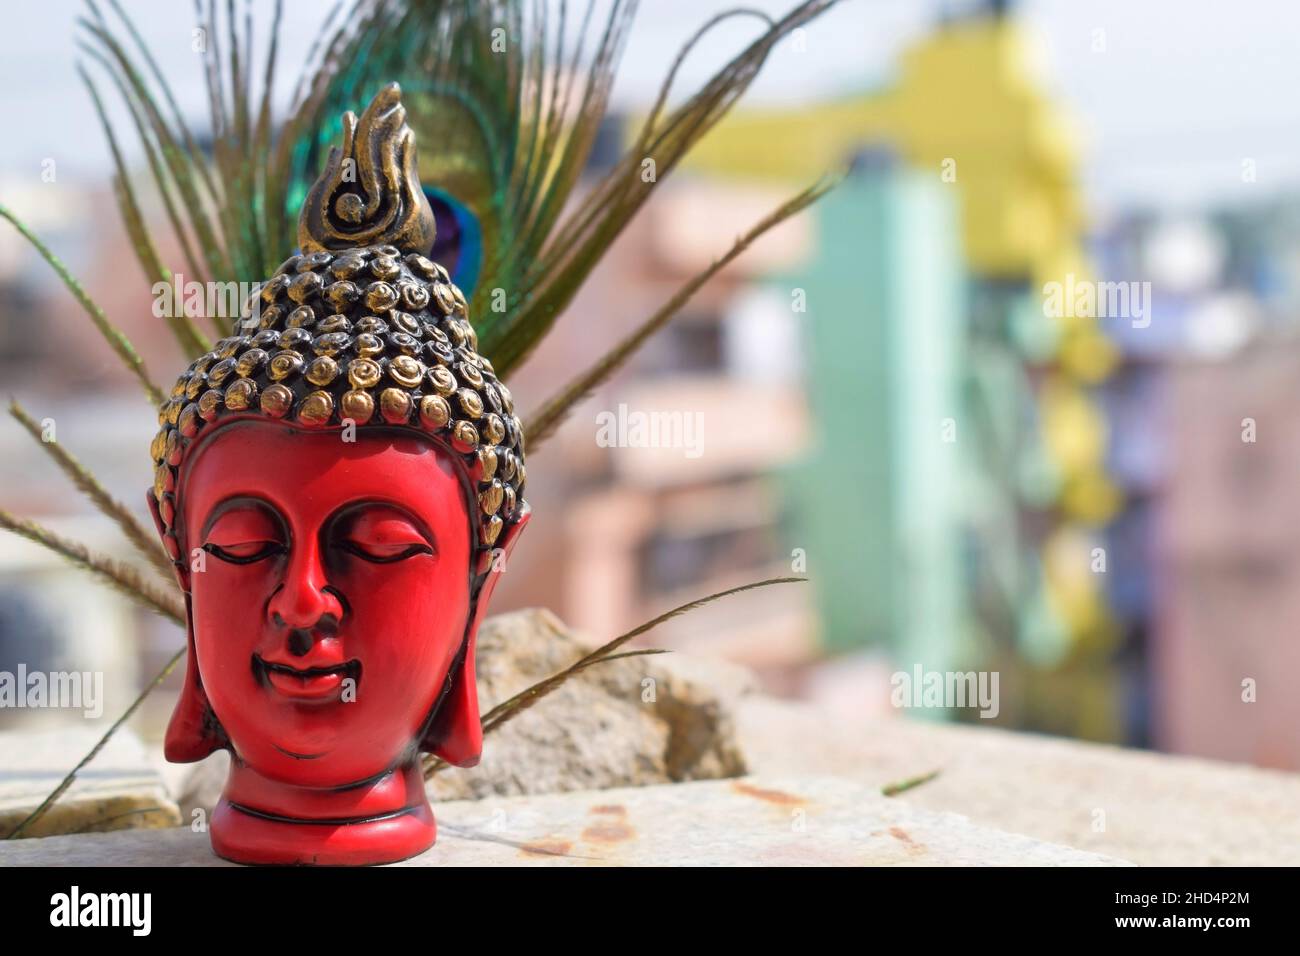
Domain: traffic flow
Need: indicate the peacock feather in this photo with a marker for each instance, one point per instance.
(506, 98)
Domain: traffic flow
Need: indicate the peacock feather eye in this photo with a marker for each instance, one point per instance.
(459, 243)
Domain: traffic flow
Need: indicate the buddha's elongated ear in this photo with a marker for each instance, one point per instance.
(193, 731)
(181, 570)
(456, 733)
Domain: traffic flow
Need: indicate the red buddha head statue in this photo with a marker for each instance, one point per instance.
(337, 485)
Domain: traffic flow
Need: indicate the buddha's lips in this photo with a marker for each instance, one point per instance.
(307, 683)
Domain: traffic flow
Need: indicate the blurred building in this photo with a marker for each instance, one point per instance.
(1230, 590)
(968, 116)
(624, 530)
(1204, 406)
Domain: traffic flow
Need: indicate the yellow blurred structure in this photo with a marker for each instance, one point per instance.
(968, 105)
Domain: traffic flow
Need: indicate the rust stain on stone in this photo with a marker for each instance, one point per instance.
(611, 827)
(902, 836)
(547, 847)
(770, 796)
(608, 833)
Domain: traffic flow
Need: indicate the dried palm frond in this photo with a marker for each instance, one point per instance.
(121, 576)
(145, 541)
(116, 340)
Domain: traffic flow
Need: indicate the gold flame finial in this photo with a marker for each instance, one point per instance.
(369, 193)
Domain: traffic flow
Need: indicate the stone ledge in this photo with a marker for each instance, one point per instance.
(120, 789)
(760, 821)
(1159, 810)
(598, 732)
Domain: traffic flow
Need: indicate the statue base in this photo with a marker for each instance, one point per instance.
(259, 821)
(242, 836)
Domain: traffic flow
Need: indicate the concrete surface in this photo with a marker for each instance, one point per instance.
(751, 821)
(1149, 808)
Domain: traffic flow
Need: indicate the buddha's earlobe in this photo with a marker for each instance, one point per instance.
(193, 731)
(456, 734)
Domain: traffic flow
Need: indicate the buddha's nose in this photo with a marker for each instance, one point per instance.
(305, 604)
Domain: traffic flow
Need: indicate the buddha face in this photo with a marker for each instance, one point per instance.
(333, 594)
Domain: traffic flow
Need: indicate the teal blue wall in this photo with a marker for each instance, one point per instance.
(877, 504)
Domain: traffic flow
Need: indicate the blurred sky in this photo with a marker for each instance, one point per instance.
(1183, 92)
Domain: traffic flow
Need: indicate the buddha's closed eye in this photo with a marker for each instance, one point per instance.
(244, 534)
(382, 534)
